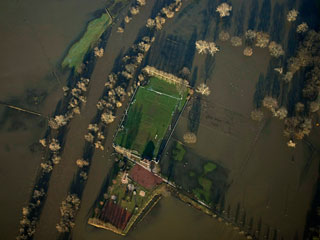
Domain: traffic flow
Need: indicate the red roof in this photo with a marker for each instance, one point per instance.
(144, 177)
(114, 214)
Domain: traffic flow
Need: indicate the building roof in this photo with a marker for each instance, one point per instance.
(144, 177)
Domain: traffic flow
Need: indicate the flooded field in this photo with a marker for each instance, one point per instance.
(258, 182)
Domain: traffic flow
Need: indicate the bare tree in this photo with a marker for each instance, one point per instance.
(270, 103)
(98, 52)
(302, 28)
(262, 39)
(190, 137)
(275, 49)
(224, 9)
(224, 36)
(236, 41)
(89, 137)
(292, 15)
(248, 51)
(203, 89)
(206, 47)
(281, 113)
(251, 35)
(54, 145)
(257, 115)
(134, 10)
(81, 163)
(107, 118)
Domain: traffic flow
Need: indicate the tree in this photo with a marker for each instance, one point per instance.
(236, 41)
(201, 46)
(134, 10)
(257, 115)
(297, 127)
(54, 145)
(262, 39)
(206, 47)
(270, 103)
(57, 122)
(248, 51)
(189, 137)
(93, 127)
(141, 2)
(81, 163)
(203, 89)
(46, 167)
(224, 36)
(275, 49)
(107, 118)
(98, 145)
(56, 159)
(89, 137)
(281, 113)
(127, 19)
(292, 15)
(98, 52)
(150, 23)
(224, 9)
(302, 28)
(120, 30)
(288, 77)
(250, 35)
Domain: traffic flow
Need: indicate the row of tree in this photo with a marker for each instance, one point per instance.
(115, 92)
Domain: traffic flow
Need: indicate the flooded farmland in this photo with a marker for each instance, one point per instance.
(258, 186)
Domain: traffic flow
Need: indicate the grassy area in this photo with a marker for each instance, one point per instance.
(204, 192)
(126, 199)
(178, 152)
(93, 33)
(149, 117)
(209, 167)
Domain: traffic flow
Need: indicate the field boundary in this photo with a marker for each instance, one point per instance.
(134, 154)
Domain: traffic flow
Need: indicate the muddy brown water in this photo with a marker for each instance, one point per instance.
(269, 182)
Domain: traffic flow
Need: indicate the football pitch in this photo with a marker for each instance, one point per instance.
(149, 117)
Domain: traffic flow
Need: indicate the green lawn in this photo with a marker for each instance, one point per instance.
(93, 33)
(205, 191)
(149, 117)
(209, 167)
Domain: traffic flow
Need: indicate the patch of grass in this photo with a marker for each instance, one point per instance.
(192, 174)
(93, 32)
(178, 152)
(209, 167)
(203, 193)
(126, 199)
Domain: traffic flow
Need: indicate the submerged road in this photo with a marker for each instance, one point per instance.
(63, 173)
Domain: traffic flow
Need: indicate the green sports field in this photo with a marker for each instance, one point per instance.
(150, 116)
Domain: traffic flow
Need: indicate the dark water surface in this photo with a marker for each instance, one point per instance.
(274, 190)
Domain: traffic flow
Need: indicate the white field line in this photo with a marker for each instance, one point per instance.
(160, 93)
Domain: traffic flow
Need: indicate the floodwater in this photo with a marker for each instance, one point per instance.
(270, 183)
